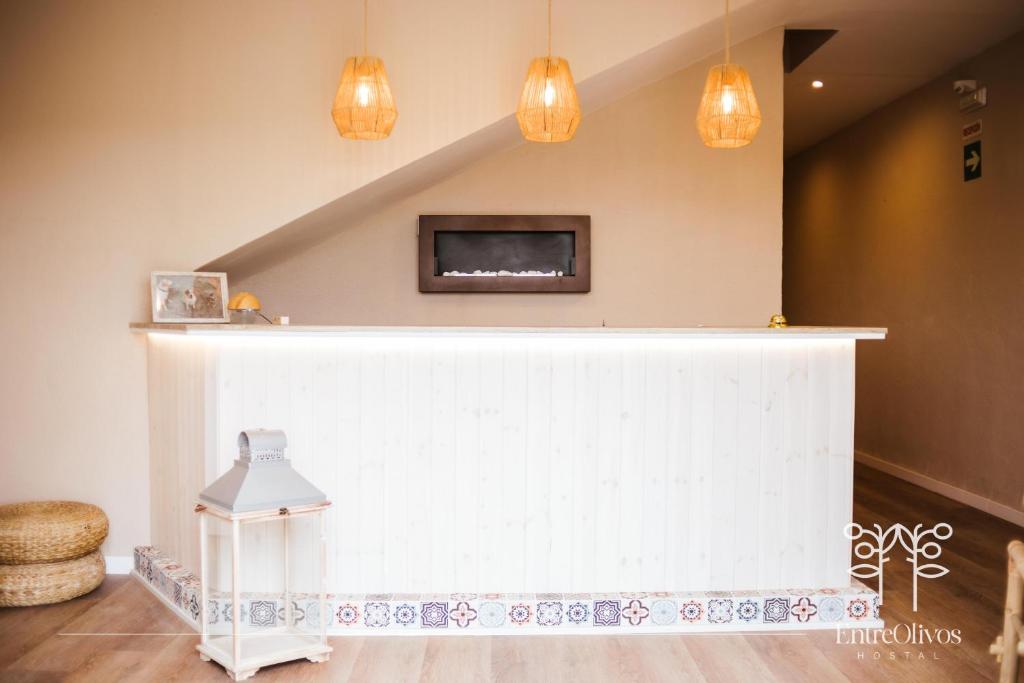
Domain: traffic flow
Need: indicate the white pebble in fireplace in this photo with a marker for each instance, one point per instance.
(502, 273)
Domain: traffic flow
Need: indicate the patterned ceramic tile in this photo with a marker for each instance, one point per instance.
(607, 612)
(376, 614)
(434, 614)
(635, 612)
(491, 614)
(663, 612)
(578, 613)
(462, 614)
(803, 609)
(776, 610)
(549, 613)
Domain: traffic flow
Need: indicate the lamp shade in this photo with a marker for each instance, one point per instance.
(549, 110)
(244, 301)
(364, 108)
(262, 478)
(728, 116)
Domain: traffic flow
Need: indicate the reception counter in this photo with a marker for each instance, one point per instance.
(530, 463)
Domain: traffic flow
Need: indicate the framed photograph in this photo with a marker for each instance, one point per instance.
(189, 297)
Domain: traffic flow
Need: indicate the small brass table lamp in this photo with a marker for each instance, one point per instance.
(247, 306)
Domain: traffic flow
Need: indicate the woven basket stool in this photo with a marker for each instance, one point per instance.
(51, 531)
(22, 585)
(49, 551)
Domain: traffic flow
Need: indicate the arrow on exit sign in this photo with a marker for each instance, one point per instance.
(972, 161)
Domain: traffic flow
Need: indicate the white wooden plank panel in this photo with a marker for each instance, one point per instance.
(585, 475)
(338, 430)
(420, 425)
(513, 471)
(444, 405)
(815, 497)
(609, 456)
(840, 462)
(700, 490)
(561, 489)
(679, 449)
(632, 467)
(398, 488)
(748, 465)
(771, 520)
(373, 491)
(652, 574)
(490, 445)
(724, 471)
(465, 489)
(537, 520)
(794, 470)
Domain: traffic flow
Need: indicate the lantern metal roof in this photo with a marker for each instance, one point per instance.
(261, 478)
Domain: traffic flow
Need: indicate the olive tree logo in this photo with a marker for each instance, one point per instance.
(878, 546)
(928, 550)
(879, 541)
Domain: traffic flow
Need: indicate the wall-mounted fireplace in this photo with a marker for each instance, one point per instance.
(504, 253)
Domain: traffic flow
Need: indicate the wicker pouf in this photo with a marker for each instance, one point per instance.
(22, 585)
(49, 531)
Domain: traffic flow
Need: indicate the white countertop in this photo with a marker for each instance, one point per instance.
(613, 332)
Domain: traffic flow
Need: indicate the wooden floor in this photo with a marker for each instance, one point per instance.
(67, 642)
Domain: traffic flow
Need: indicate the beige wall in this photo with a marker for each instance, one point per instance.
(682, 234)
(160, 135)
(880, 229)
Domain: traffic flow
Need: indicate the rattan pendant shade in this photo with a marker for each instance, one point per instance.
(728, 116)
(549, 110)
(364, 108)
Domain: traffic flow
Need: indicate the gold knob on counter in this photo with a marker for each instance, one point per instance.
(778, 320)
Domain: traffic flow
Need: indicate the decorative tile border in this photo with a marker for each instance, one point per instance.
(493, 613)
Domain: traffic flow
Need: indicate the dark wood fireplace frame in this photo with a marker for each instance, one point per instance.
(431, 283)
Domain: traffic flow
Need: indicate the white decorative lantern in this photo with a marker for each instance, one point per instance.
(262, 562)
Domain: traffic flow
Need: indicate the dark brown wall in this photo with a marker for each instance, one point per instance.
(880, 229)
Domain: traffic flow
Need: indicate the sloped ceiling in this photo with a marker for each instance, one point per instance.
(884, 49)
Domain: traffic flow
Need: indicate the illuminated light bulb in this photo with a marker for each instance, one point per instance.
(549, 93)
(363, 94)
(728, 101)
(817, 85)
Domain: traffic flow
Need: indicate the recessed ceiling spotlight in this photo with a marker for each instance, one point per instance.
(817, 85)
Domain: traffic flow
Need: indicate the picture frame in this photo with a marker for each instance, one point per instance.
(189, 297)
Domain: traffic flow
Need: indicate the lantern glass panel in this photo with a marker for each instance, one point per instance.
(276, 571)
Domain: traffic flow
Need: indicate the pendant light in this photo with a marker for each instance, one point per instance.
(549, 110)
(363, 107)
(728, 116)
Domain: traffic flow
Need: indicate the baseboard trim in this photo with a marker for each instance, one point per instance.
(118, 564)
(184, 616)
(1004, 512)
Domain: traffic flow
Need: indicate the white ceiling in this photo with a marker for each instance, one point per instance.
(884, 49)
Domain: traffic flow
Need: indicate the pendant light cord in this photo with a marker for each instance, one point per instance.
(366, 26)
(549, 30)
(728, 32)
